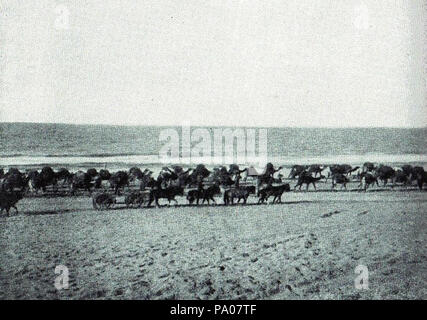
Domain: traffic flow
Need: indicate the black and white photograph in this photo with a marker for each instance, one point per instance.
(226, 150)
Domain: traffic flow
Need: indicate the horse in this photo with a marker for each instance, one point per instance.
(239, 193)
(340, 178)
(64, 175)
(209, 193)
(276, 191)
(297, 171)
(307, 179)
(168, 193)
(370, 179)
(194, 194)
(8, 200)
(101, 201)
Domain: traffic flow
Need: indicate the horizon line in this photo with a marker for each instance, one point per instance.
(212, 126)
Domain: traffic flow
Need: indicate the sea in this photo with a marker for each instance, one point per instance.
(34, 145)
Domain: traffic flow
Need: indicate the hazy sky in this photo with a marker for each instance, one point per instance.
(216, 62)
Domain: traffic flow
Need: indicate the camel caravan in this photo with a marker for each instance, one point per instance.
(198, 185)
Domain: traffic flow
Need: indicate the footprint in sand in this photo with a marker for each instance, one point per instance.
(329, 214)
(118, 292)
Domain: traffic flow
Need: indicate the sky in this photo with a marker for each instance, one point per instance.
(297, 63)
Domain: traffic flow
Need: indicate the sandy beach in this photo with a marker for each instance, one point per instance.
(306, 248)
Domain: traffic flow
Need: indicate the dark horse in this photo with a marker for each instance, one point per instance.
(204, 194)
(168, 193)
(368, 179)
(307, 179)
(210, 192)
(194, 194)
(239, 193)
(275, 191)
(8, 200)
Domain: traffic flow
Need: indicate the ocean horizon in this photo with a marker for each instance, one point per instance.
(117, 146)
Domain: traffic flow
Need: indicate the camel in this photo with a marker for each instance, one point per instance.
(197, 174)
(104, 174)
(401, 177)
(296, 171)
(15, 180)
(267, 176)
(421, 179)
(136, 173)
(43, 179)
(385, 173)
(81, 180)
(221, 176)
(92, 172)
(118, 180)
(368, 167)
(316, 169)
(345, 169)
(412, 172)
(64, 175)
